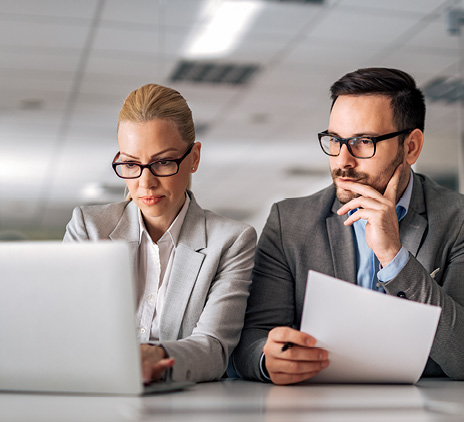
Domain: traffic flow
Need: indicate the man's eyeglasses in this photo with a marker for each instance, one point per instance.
(159, 168)
(358, 146)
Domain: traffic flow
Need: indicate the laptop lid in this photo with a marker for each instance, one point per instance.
(67, 318)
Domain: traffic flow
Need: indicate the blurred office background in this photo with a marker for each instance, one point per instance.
(256, 74)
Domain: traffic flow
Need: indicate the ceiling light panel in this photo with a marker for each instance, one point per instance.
(226, 23)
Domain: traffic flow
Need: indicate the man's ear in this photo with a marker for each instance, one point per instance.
(413, 146)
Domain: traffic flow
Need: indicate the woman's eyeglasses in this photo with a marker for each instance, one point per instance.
(159, 168)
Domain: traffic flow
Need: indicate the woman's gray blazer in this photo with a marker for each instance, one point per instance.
(208, 289)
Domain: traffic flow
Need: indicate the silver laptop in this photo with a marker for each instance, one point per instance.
(67, 320)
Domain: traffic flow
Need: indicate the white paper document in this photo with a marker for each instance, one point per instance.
(371, 337)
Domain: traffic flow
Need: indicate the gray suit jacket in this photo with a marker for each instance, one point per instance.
(208, 288)
(306, 233)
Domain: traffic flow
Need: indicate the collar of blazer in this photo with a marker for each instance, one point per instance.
(186, 268)
(414, 224)
(343, 258)
(193, 232)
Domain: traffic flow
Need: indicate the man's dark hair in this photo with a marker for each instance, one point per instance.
(407, 101)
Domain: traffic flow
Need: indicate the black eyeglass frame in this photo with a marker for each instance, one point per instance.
(345, 141)
(141, 167)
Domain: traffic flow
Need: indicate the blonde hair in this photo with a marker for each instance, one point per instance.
(152, 101)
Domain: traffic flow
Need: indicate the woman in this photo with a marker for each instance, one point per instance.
(191, 266)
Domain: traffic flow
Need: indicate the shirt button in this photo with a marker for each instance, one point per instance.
(150, 297)
(143, 330)
(401, 294)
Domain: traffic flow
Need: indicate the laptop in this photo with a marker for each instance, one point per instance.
(67, 320)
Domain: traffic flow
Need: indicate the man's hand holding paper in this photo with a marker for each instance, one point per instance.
(291, 356)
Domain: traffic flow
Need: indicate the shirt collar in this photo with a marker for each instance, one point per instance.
(173, 231)
(402, 206)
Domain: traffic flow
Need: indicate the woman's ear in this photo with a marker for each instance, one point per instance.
(413, 146)
(196, 156)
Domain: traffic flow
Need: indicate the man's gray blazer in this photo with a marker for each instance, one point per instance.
(208, 288)
(306, 233)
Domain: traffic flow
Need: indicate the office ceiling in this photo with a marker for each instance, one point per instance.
(66, 67)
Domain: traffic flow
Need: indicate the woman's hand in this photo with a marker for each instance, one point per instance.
(154, 362)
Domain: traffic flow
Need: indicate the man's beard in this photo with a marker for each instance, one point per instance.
(379, 183)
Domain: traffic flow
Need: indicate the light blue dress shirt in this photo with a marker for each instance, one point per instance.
(368, 266)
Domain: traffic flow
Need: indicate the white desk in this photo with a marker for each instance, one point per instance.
(243, 401)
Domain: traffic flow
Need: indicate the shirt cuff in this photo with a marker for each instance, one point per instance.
(262, 368)
(394, 267)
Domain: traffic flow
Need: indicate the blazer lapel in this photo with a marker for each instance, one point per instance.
(185, 269)
(414, 224)
(341, 245)
(128, 230)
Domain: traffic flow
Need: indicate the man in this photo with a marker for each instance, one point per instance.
(380, 226)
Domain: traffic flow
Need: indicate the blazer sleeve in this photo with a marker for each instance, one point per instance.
(271, 302)
(434, 274)
(444, 289)
(203, 354)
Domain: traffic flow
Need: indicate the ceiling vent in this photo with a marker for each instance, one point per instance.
(213, 73)
(31, 104)
(298, 1)
(299, 171)
(445, 89)
(201, 128)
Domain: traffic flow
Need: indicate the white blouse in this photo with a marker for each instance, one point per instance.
(154, 270)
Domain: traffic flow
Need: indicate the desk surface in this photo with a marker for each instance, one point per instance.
(244, 401)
